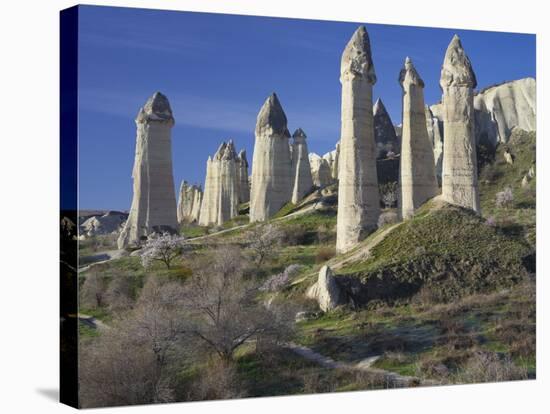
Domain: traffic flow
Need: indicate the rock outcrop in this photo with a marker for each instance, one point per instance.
(301, 170)
(326, 290)
(497, 109)
(154, 202)
(459, 176)
(384, 131)
(110, 222)
(320, 170)
(272, 177)
(418, 181)
(189, 200)
(221, 196)
(500, 108)
(358, 197)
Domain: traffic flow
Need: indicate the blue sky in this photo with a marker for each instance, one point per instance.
(217, 70)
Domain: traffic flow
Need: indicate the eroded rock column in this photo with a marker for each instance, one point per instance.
(459, 176)
(302, 181)
(154, 201)
(242, 177)
(272, 183)
(358, 197)
(418, 181)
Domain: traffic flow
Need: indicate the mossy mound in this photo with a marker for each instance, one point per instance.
(445, 252)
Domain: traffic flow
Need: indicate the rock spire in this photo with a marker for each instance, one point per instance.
(301, 170)
(459, 175)
(272, 180)
(221, 197)
(358, 197)
(154, 202)
(418, 181)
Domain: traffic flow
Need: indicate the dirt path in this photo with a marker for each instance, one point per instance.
(393, 379)
(101, 257)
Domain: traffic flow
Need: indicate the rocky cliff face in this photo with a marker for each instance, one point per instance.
(320, 170)
(497, 111)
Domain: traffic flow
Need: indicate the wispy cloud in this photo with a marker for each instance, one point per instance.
(196, 111)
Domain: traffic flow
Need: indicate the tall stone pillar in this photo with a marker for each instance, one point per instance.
(154, 202)
(228, 194)
(459, 175)
(271, 163)
(242, 177)
(358, 197)
(302, 181)
(418, 181)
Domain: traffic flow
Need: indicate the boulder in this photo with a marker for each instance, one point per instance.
(326, 290)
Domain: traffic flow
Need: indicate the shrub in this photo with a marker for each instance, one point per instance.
(389, 217)
(295, 235)
(490, 367)
(280, 280)
(325, 234)
(324, 254)
(388, 194)
(264, 241)
(505, 198)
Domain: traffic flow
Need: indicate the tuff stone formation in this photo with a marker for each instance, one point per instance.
(358, 198)
(326, 290)
(271, 163)
(154, 202)
(501, 108)
(434, 125)
(498, 110)
(301, 169)
(320, 170)
(189, 200)
(459, 176)
(418, 181)
(221, 197)
(197, 201)
(384, 131)
(242, 177)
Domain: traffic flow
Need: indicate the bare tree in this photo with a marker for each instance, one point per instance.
(118, 295)
(131, 362)
(263, 241)
(92, 292)
(224, 313)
